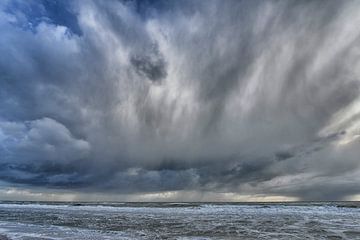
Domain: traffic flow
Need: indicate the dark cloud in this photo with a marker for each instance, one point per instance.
(153, 69)
(247, 97)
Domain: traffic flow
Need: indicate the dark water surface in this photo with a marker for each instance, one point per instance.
(302, 220)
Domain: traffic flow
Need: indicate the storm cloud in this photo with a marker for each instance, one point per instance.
(142, 97)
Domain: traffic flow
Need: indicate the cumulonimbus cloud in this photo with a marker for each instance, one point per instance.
(132, 97)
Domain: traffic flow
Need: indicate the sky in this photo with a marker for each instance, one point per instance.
(179, 100)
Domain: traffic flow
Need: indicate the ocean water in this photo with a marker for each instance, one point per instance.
(33, 221)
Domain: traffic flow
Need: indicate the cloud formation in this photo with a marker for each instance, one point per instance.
(137, 97)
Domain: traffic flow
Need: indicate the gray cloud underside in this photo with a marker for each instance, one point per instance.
(226, 96)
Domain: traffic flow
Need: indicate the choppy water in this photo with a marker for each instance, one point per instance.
(33, 221)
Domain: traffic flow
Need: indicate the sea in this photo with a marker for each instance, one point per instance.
(77, 220)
